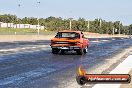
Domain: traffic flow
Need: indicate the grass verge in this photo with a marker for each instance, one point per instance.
(13, 31)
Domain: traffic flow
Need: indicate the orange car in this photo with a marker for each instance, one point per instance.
(69, 40)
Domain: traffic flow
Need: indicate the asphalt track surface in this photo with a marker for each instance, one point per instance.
(32, 65)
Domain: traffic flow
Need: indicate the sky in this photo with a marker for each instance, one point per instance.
(109, 10)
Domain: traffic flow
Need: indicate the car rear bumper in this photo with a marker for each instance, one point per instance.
(66, 47)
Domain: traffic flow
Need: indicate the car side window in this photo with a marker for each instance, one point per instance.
(58, 35)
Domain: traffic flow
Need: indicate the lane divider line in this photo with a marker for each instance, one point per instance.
(24, 48)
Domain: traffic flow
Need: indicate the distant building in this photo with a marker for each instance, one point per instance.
(12, 25)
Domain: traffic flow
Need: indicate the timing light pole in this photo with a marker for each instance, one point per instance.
(100, 24)
(38, 27)
(17, 23)
(88, 26)
(119, 29)
(113, 30)
(70, 23)
(18, 18)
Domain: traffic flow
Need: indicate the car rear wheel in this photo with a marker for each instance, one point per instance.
(80, 51)
(62, 52)
(55, 51)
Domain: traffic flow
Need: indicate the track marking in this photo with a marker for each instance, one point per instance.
(95, 41)
(104, 40)
(113, 39)
(24, 48)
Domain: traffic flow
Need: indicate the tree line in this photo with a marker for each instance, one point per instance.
(57, 23)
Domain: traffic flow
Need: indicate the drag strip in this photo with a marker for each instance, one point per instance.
(35, 45)
(34, 66)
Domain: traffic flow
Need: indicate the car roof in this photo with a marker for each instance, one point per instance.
(70, 31)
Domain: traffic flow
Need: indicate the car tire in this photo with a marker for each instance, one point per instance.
(80, 51)
(55, 51)
(62, 52)
(85, 50)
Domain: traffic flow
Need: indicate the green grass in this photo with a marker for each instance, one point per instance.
(11, 31)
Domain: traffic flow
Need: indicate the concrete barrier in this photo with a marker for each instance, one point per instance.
(8, 38)
(11, 38)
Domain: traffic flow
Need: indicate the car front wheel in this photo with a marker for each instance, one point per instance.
(80, 51)
(85, 50)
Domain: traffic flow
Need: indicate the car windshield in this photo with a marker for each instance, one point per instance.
(67, 35)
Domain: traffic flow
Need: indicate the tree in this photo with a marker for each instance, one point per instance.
(130, 29)
(57, 23)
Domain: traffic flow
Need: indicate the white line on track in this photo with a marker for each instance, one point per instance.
(99, 41)
(105, 40)
(25, 48)
(113, 39)
(95, 41)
